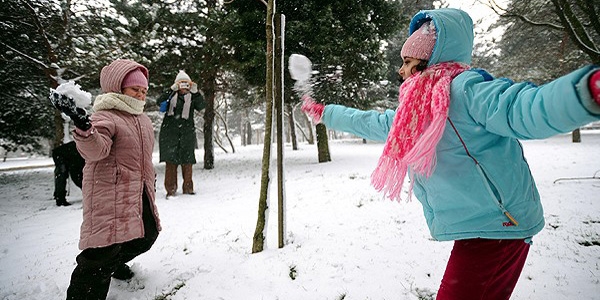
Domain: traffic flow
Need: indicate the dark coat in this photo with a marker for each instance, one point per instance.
(67, 163)
(177, 138)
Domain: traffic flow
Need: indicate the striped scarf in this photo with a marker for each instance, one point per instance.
(417, 128)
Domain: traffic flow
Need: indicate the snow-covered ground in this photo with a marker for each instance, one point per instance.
(344, 240)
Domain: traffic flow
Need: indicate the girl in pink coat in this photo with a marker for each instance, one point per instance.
(120, 219)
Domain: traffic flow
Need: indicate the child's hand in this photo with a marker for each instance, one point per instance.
(595, 86)
(313, 109)
(67, 106)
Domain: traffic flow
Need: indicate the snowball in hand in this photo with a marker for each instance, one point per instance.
(73, 90)
(300, 67)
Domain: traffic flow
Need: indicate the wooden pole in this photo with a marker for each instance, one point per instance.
(279, 108)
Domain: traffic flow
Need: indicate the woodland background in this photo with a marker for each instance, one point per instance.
(354, 45)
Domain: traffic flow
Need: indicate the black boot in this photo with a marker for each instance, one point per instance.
(123, 272)
(62, 202)
(89, 284)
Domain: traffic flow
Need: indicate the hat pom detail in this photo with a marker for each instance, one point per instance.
(420, 44)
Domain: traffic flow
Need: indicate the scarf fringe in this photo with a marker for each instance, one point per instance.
(385, 177)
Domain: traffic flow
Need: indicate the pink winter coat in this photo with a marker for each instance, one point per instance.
(118, 156)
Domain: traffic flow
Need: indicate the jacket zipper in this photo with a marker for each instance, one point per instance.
(496, 198)
(487, 178)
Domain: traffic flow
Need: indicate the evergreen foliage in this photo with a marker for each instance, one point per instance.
(25, 118)
(354, 46)
(43, 43)
(343, 39)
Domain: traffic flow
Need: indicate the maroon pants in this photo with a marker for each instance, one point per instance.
(483, 269)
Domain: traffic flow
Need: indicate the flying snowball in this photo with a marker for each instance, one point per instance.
(300, 67)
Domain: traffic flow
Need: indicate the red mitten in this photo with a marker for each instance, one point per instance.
(313, 109)
(595, 86)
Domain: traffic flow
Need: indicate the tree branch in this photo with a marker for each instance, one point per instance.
(505, 13)
(36, 61)
(51, 54)
(593, 15)
(576, 30)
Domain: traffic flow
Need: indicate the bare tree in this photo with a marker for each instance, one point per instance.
(263, 204)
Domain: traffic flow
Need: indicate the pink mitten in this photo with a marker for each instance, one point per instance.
(313, 109)
(595, 86)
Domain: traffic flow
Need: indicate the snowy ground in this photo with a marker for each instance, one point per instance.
(344, 240)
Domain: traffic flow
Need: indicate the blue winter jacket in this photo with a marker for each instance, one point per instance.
(490, 194)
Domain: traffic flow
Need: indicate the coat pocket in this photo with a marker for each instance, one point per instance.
(107, 172)
(495, 194)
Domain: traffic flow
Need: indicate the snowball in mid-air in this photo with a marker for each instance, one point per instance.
(300, 67)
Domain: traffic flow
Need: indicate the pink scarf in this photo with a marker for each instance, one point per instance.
(418, 126)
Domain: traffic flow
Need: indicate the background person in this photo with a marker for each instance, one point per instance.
(67, 163)
(177, 138)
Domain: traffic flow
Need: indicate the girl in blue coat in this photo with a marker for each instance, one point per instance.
(456, 135)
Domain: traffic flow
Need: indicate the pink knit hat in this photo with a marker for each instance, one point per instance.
(135, 78)
(112, 77)
(420, 44)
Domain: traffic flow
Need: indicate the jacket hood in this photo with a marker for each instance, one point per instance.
(454, 29)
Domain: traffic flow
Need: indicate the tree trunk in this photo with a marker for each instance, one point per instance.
(209, 118)
(59, 128)
(243, 128)
(311, 135)
(210, 84)
(52, 76)
(576, 136)
(50, 72)
(322, 143)
(292, 128)
(258, 241)
(225, 129)
(248, 132)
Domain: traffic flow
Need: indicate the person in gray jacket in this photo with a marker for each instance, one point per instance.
(455, 135)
